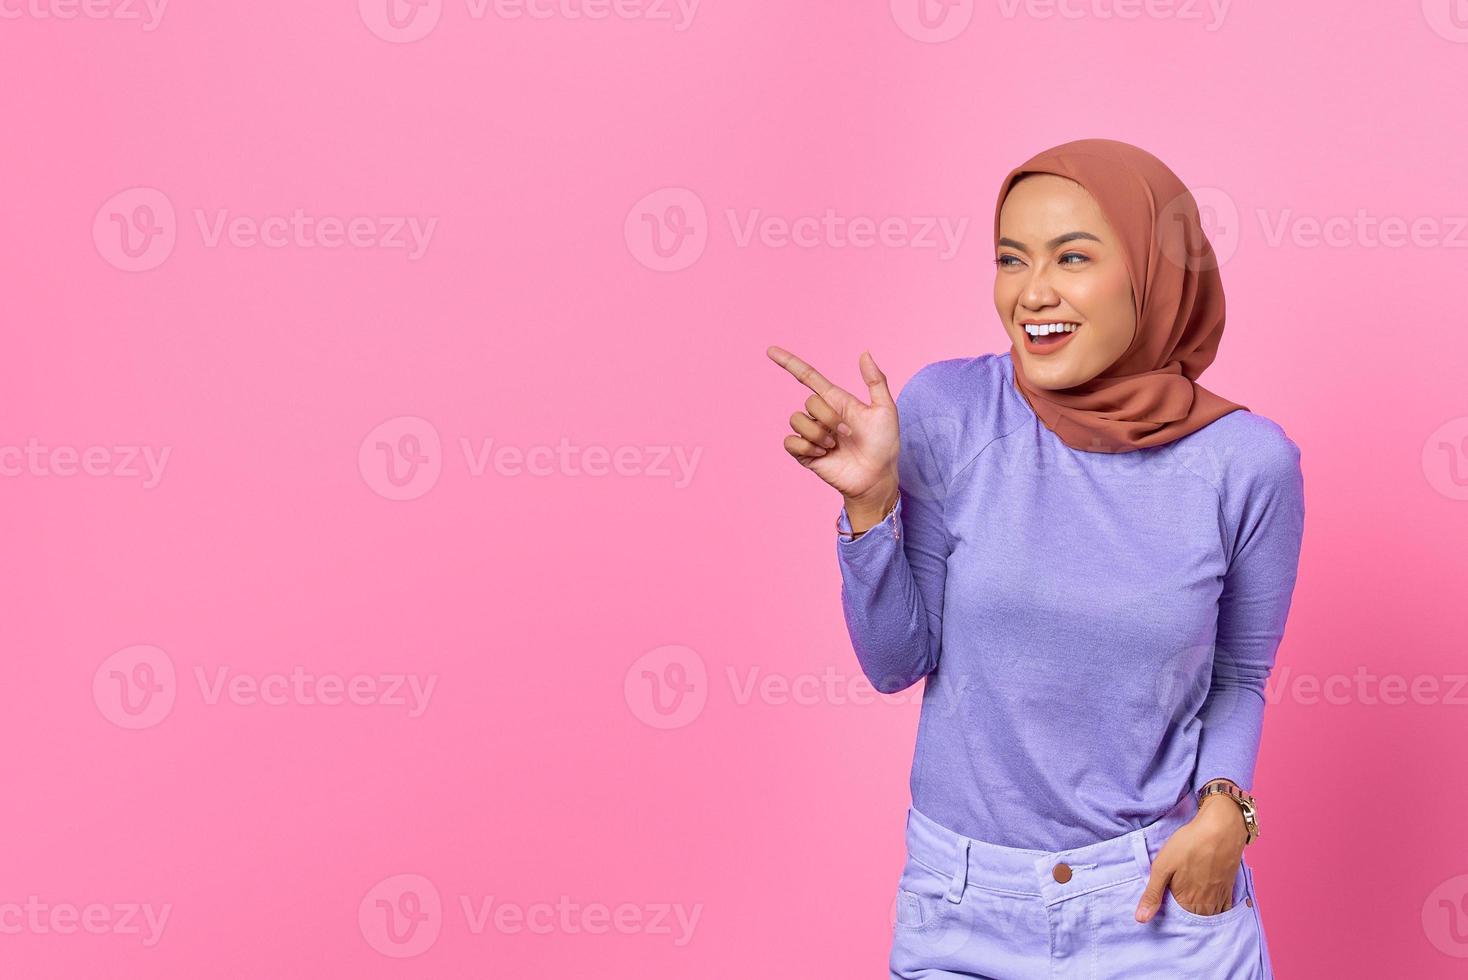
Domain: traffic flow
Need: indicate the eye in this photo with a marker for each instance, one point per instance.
(1077, 255)
(1001, 263)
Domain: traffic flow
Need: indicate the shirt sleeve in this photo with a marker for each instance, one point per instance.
(892, 577)
(1252, 608)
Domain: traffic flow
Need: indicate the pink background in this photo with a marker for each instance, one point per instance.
(545, 766)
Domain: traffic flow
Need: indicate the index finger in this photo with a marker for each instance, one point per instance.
(803, 372)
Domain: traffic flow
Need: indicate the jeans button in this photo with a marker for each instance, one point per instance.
(1061, 873)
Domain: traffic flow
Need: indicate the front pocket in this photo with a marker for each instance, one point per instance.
(921, 895)
(1238, 910)
(912, 911)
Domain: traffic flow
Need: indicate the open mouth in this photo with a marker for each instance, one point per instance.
(1043, 338)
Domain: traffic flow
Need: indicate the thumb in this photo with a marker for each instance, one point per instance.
(1152, 894)
(875, 379)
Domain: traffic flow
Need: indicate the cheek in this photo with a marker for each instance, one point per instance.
(1109, 309)
(1005, 298)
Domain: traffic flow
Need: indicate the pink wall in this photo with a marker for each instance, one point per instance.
(437, 671)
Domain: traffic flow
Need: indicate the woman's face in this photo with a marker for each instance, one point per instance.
(1058, 261)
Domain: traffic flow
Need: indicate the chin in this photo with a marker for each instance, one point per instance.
(1045, 371)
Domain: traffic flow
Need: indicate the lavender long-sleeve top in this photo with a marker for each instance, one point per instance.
(1095, 629)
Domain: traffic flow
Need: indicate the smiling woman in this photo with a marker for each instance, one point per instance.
(1093, 665)
(1136, 280)
(1072, 280)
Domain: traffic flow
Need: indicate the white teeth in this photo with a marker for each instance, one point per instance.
(1041, 329)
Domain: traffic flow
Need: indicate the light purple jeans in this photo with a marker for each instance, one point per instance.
(967, 908)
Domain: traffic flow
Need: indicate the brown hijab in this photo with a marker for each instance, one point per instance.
(1150, 395)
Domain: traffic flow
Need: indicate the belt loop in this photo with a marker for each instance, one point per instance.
(1139, 851)
(960, 873)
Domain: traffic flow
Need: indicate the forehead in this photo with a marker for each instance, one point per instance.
(1046, 202)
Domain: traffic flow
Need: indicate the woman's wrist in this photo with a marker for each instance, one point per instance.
(1225, 816)
(1223, 810)
(870, 509)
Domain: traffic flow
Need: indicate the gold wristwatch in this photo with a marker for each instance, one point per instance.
(1244, 800)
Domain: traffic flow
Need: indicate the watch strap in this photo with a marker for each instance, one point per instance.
(1243, 799)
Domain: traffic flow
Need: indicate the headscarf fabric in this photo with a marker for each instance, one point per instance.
(1150, 395)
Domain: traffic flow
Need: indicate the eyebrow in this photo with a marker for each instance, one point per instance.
(1055, 242)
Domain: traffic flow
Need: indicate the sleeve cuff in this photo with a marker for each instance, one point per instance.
(1200, 780)
(891, 524)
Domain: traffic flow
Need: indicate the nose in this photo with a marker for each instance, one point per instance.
(1038, 291)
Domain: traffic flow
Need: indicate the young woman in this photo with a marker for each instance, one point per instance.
(1090, 559)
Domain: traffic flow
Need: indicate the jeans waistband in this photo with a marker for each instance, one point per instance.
(1021, 871)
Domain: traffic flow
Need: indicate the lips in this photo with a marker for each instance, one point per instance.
(1050, 343)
